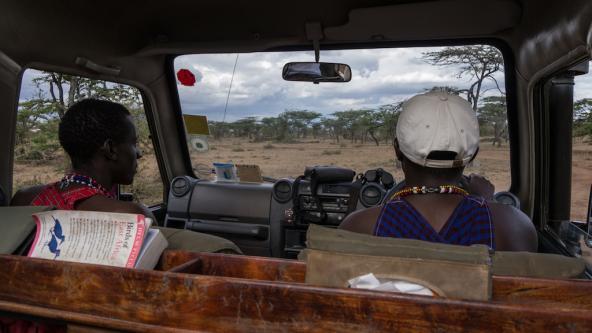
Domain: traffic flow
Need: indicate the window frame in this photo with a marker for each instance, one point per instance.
(551, 232)
(509, 80)
(148, 111)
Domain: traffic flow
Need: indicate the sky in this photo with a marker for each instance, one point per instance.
(379, 76)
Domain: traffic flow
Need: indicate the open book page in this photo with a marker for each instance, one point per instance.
(113, 239)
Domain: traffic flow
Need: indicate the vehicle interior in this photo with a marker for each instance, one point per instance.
(543, 45)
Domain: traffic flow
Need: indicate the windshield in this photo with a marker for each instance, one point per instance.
(255, 117)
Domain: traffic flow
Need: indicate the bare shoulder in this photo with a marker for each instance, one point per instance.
(514, 231)
(100, 203)
(25, 196)
(361, 221)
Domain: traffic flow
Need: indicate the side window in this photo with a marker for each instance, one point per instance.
(44, 99)
(581, 172)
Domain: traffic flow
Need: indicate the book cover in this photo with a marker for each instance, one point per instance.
(113, 239)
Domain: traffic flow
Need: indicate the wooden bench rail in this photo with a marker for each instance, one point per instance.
(519, 290)
(140, 300)
(245, 267)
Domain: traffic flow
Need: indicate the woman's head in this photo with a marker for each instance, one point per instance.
(101, 133)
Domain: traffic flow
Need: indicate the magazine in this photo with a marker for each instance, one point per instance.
(114, 239)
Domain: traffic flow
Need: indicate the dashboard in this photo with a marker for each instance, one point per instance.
(271, 219)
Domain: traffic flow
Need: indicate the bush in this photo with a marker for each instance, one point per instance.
(32, 155)
(269, 146)
(237, 150)
(331, 152)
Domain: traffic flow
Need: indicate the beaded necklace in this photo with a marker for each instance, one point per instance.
(443, 189)
(87, 181)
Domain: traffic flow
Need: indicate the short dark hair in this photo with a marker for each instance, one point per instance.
(88, 124)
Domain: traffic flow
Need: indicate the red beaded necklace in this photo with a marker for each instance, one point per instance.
(443, 189)
(87, 181)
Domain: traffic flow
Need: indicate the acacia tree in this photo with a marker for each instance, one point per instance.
(583, 117)
(493, 113)
(333, 126)
(350, 122)
(299, 121)
(448, 89)
(389, 113)
(480, 63)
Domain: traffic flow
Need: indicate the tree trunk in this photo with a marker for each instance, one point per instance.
(371, 132)
(57, 80)
(72, 91)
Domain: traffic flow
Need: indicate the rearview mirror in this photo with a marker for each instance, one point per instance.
(316, 72)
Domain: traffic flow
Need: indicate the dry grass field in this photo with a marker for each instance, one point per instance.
(289, 159)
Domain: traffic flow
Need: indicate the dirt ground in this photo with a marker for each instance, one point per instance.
(279, 160)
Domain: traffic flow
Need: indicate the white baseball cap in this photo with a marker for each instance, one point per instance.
(438, 121)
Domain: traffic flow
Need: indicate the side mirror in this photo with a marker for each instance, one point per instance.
(316, 72)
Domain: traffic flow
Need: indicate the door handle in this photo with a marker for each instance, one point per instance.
(254, 231)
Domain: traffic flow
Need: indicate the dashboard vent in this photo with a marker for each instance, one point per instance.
(180, 186)
(282, 190)
(371, 195)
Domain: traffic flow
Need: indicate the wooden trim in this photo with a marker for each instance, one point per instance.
(70, 316)
(572, 294)
(239, 266)
(112, 298)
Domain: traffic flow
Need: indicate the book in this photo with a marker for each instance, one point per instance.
(113, 239)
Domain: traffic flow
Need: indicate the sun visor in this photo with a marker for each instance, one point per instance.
(428, 20)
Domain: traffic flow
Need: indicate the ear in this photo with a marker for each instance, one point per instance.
(109, 150)
(474, 155)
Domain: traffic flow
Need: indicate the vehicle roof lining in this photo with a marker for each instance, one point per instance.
(147, 33)
(550, 34)
(427, 20)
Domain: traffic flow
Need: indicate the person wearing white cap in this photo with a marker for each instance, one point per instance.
(437, 135)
